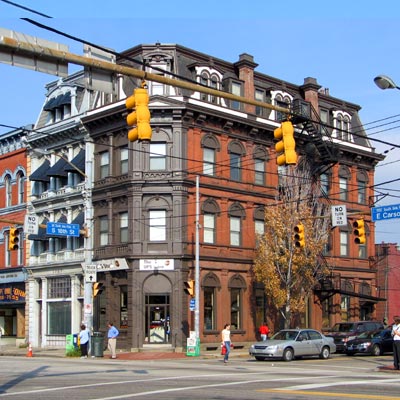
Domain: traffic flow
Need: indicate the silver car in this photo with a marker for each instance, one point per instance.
(290, 343)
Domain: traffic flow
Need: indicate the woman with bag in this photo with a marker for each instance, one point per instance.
(226, 341)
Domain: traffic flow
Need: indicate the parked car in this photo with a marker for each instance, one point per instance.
(373, 342)
(291, 343)
(345, 331)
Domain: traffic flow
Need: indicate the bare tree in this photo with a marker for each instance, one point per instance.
(289, 273)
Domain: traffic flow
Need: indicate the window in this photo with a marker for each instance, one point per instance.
(259, 227)
(123, 227)
(157, 224)
(236, 89)
(7, 184)
(123, 306)
(235, 166)
(362, 180)
(157, 156)
(343, 188)
(259, 95)
(344, 243)
(284, 102)
(209, 308)
(59, 288)
(342, 125)
(104, 164)
(209, 228)
(208, 161)
(235, 228)
(259, 172)
(324, 181)
(124, 158)
(103, 230)
(21, 187)
(236, 305)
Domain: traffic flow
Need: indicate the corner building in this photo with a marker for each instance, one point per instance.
(144, 200)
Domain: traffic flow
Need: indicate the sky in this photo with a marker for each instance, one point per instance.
(343, 44)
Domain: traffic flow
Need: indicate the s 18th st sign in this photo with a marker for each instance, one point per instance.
(385, 212)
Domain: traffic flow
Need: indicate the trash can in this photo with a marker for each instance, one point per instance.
(97, 344)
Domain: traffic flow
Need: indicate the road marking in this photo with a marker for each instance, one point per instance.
(330, 394)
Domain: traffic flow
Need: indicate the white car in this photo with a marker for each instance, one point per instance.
(290, 343)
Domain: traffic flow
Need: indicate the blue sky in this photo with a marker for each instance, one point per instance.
(343, 44)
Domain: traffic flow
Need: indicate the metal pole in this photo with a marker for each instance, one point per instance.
(197, 265)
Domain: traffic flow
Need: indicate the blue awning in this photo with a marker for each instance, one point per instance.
(40, 174)
(58, 169)
(78, 161)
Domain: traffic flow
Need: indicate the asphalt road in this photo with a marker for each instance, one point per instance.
(340, 377)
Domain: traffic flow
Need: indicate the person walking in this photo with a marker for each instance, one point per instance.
(263, 331)
(396, 342)
(112, 339)
(84, 338)
(226, 341)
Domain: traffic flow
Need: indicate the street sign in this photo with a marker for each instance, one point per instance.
(385, 212)
(61, 229)
(192, 304)
(31, 225)
(90, 273)
(339, 215)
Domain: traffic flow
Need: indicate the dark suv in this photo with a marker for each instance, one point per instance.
(344, 331)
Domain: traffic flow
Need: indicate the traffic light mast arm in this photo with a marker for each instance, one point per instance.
(44, 53)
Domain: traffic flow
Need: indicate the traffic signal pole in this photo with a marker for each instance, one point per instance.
(10, 45)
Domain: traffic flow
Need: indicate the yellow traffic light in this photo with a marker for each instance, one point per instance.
(13, 239)
(139, 116)
(299, 240)
(359, 231)
(97, 288)
(189, 287)
(286, 145)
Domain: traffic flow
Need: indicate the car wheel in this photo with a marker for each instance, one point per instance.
(259, 358)
(325, 353)
(376, 350)
(288, 355)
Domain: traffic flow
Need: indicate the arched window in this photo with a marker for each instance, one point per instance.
(237, 286)
(347, 289)
(8, 189)
(344, 177)
(21, 187)
(210, 145)
(236, 215)
(210, 212)
(210, 286)
(283, 101)
(362, 181)
(260, 156)
(236, 152)
(259, 221)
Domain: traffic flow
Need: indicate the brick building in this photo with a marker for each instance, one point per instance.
(138, 200)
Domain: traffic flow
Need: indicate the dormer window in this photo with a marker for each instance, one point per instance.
(58, 107)
(212, 80)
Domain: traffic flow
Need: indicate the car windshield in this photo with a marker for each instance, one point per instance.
(285, 335)
(368, 335)
(341, 327)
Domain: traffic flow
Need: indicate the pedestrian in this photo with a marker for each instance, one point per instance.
(263, 331)
(112, 339)
(84, 337)
(396, 342)
(226, 341)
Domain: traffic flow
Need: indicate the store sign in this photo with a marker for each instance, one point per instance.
(115, 264)
(156, 264)
(11, 293)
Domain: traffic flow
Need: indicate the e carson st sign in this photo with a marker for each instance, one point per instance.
(385, 212)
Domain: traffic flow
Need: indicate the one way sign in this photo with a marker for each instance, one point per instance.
(90, 273)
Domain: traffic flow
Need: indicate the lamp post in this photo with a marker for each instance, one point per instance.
(384, 82)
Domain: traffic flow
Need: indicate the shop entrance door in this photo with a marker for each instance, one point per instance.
(157, 323)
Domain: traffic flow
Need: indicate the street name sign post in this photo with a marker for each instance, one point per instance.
(62, 229)
(385, 212)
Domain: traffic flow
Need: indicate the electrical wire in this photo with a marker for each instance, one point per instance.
(26, 8)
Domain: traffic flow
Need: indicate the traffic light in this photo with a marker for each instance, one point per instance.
(189, 287)
(286, 145)
(139, 116)
(299, 240)
(359, 231)
(97, 288)
(13, 239)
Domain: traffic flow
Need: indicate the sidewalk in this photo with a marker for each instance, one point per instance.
(9, 350)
